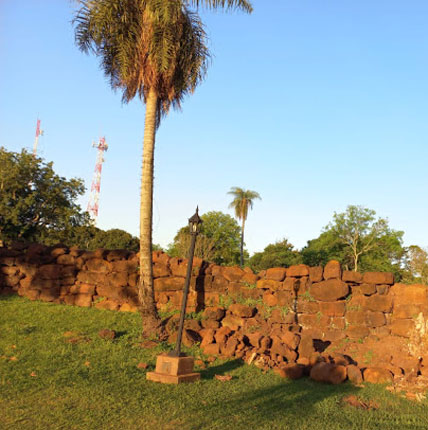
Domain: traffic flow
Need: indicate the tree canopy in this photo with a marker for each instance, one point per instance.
(278, 254)
(359, 241)
(218, 241)
(36, 204)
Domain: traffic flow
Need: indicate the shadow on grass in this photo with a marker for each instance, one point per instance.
(285, 403)
(120, 334)
(7, 296)
(221, 369)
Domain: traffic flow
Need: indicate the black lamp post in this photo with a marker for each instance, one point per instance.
(195, 227)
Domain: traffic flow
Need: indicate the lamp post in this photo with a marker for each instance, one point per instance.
(175, 367)
(194, 227)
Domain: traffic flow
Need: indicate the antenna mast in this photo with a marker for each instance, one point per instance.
(39, 132)
(96, 180)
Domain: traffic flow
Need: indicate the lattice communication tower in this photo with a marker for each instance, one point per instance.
(39, 132)
(96, 180)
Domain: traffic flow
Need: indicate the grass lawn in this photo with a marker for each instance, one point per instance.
(48, 382)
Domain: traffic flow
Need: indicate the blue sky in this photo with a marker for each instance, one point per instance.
(314, 104)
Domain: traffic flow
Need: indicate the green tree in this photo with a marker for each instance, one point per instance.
(36, 204)
(91, 238)
(242, 201)
(278, 254)
(218, 241)
(416, 265)
(360, 241)
(324, 248)
(156, 49)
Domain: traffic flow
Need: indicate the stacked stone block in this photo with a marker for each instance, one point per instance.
(320, 320)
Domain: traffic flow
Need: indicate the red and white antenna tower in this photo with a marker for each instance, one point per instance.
(96, 180)
(39, 132)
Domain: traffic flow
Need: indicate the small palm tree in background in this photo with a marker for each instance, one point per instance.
(243, 199)
(156, 49)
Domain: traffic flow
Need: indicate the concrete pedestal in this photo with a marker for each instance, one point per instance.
(173, 370)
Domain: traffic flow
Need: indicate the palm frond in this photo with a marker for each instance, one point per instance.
(243, 200)
(224, 4)
(144, 44)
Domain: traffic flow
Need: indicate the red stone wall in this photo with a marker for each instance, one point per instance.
(279, 318)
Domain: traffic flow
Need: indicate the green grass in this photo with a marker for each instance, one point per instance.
(112, 393)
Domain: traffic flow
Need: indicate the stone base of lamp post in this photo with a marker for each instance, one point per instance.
(173, 370)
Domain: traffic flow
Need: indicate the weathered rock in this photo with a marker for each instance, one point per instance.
(379, 303)
(84, 300)
(211, 349)
(269, 284)
(357, 332)
(377, 375)
(66, 260)
(214, 313)
(354, 374)
(368, 289)
(332, 270)
(233, 322)
(169, 284)
(402, 327)
(110, 292)
(291, 284)
(117, 279)
(375, 319)
(178, 267)
(351, 276)
(298, 270)
(128, 307)
(328, 372)
(378, 278)
(110, 305)
(91, 278)
(332, 309)
(207, 337)
(276, 273)
(306, 346)
(329, 291)
(117, 254)
(290, 371)
(269, 298)
(409, 294)
(233, 274)
(242, 311)
(403, 311)
(222, 334)
(230, 347)
(316, 274)
(98, 265)
(107, 334)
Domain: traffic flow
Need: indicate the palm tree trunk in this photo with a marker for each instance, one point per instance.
(242, 242)
(147, 308)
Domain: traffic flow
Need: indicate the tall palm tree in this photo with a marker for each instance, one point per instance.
(156, 49)
(243, 199)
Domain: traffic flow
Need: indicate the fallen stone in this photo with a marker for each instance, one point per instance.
(328, 372)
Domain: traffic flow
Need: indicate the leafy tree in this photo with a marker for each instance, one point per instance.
(218, 241)
(243, 199)
(278, 254)
(156, 49)
(416, 265)
(360, 241)
(36, 204)
(324, 248)
(91, 238)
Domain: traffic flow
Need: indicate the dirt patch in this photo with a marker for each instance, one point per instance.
(356, 402)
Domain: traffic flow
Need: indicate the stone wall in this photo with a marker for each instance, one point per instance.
(335, 322)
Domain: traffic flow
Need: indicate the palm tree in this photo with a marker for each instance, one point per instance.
(156, 49)
(243, 199)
